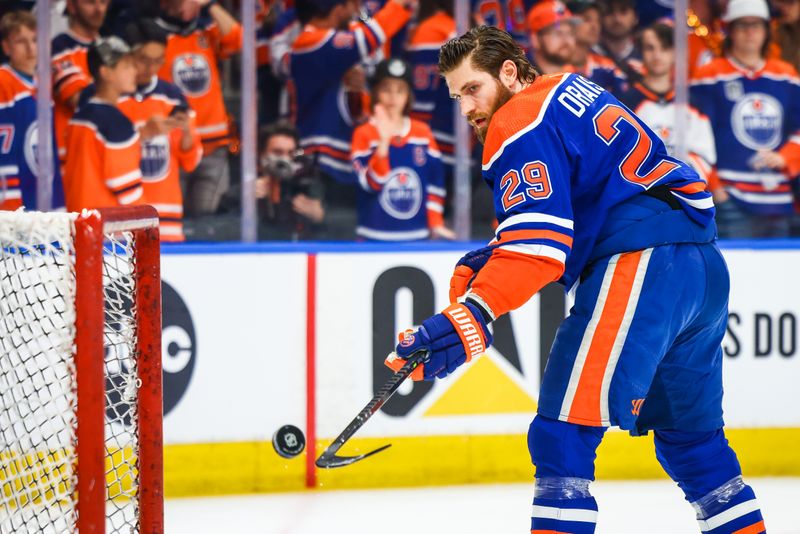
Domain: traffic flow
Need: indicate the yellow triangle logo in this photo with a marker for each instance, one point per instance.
(483, 389)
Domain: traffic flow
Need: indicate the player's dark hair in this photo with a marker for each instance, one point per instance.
(487, 48)
(142, 31)
(664, 33)
(14, 20)
(428, 8)
(727, 44)
(277, 128)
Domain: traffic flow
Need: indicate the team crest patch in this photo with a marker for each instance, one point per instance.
(343, 40)
(192, 74)
(419, 156)
(733, 90)
(155, 159)
(32, 148)
(757, 121)
(401, 196)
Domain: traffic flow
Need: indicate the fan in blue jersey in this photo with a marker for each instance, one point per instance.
(587, 195)
(399, 167)
(19, 129)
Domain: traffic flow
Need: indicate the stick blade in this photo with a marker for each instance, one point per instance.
(329, 461)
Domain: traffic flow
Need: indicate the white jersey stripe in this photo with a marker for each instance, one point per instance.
(728, 515)
(537, 250)
(534, 218)
(701, 204)
(622, 333)
(588, 336)
(564, 514)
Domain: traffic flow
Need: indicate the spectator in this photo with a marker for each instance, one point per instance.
(652, 99)
(753, 104)
(169, 139)
(321, 65)
(585, 60)
(289, 191)
(103, 146)
(786, 26)
(70, 70)
(552, 37)
(432, 103)
(20, 132)
(619, 21)
(399, 168)
(200, 34)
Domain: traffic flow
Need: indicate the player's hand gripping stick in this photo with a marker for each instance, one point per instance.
(328, 458)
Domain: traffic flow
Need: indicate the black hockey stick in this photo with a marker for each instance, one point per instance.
(328, 458)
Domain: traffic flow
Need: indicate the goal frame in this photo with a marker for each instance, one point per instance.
(90, 228)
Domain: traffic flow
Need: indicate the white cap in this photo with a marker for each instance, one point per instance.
(746, 8)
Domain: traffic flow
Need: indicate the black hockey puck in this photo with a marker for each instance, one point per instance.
(289, 441)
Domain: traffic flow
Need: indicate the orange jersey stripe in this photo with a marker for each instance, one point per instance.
(695, 187)
(586, 403)
(530, 235)
(755, 528)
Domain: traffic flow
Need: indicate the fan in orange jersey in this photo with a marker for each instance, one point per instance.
(201, 33)
(103, 146)
(169, 139)
(70, 71)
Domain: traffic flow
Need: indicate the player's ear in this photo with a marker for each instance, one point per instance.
(508, 73)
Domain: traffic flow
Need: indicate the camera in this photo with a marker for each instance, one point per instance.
(294, 176)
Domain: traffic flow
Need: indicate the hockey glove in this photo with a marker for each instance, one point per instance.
(465, 271)
(451, 338)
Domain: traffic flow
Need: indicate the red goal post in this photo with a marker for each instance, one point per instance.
(80, 372)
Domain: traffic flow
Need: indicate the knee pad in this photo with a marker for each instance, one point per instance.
(560, 449)
(699, 462)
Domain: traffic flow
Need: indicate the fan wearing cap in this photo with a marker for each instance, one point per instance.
(102, 169)
(552, 37)
(398, 165)
(753, 104)
(585, 60)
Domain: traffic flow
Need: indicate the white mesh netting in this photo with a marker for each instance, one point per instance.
(38, 393)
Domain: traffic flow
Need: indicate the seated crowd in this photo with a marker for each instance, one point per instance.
(357, 135)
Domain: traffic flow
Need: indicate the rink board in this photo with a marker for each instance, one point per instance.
(260, 336)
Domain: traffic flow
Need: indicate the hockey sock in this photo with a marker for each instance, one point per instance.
(563, 454)
(708, 472)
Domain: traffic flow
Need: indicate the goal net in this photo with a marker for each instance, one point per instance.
(80, 372)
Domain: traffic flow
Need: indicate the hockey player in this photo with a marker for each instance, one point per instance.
(652, 100)
(398, 165)
(70, 70)
(104, 151)
(19, 129)
(585, 193)
(753, 104)
(166, 121)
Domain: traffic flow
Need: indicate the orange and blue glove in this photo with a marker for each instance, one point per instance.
(451, 339)
(466, 270)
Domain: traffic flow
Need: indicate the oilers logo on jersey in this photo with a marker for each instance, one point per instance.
(757, 121)
(155, 159)
(31, 147)
(401, 197)
(192, 74)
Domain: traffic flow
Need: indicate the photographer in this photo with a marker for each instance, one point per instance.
(289, 191)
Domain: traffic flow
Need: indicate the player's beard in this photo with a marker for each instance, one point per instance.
(503, 95)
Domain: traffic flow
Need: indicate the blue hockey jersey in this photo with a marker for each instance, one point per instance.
(400, 196)
(751, 111)
(574, 175)
(318, 60)
(19, 139)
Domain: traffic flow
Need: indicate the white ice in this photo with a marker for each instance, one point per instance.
(648, 507)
